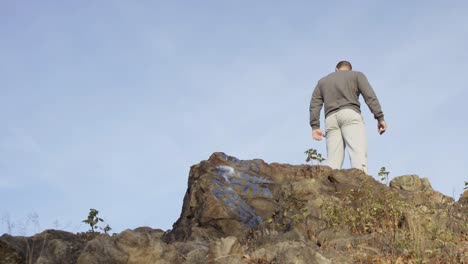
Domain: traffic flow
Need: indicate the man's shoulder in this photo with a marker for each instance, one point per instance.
(326, 77)
(332, 77)
(339, 74)
(352, 74)
(358, 72)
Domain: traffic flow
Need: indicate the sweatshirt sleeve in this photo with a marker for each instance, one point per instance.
(369, 96)
(316, 103)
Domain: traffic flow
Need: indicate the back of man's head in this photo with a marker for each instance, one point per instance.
(344, 66)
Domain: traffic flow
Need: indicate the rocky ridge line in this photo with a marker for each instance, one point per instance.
(249, 211)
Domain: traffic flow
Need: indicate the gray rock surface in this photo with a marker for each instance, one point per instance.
(411, 183)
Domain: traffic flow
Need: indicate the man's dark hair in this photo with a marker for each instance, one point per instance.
(344, 63)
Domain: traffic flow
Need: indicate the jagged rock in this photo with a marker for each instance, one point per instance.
(11, 250)
(225, 250)
(140, 246)
(230, 197)
(102, 250)
(227, 196)
(253, 212)
(410, 183)
(50, 246)
(194, 252)
(291, 252)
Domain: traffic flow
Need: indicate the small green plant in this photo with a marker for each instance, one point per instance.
(466, 186)
(312, 154)
(93, 220)
(383, 174)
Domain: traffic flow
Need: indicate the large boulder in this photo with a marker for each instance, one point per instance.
(142, 245)
(228, 197)
(410, 183)
(50, 246)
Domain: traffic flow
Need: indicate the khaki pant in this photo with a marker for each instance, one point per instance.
(346, 128)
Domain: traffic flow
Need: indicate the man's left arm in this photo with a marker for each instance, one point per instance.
(371, 100)
(369, 96)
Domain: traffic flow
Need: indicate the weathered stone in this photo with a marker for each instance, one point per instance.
(12, 250)
(291, 252)
(139, 246)
(50, 246)
(225, 250)
(410, 183)
(193, 252)
(101, 250)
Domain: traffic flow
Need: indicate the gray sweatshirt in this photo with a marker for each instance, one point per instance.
(340, 90)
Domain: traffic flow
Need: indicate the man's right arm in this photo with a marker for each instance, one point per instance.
(316, 103)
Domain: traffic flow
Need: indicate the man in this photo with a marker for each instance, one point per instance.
(344, 125)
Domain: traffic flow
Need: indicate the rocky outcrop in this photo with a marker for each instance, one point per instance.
(411, 183)
(50, 246)
(249, 211)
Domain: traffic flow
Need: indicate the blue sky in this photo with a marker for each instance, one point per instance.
(107, 104)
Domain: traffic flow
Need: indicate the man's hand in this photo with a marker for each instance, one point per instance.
(381, 127)
(317, 134)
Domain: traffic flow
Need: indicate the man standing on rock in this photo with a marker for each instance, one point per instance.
(344, 125)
